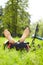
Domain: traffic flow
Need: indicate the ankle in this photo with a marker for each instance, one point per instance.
(11, 40)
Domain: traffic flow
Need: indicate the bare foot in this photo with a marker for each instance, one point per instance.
(25, 34)
(8, 36)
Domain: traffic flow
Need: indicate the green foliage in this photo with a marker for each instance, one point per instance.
(15, 16)
(41, 28)
(1, 21)
(1, 11)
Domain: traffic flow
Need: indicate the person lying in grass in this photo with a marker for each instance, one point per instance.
(20, 44)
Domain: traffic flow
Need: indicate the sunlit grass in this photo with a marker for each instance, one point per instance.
(13, 57)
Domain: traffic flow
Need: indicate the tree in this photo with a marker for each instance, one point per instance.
(33, 27)
(15, 16)
(41, 27)
(1, 22)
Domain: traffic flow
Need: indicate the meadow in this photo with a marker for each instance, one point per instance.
(13, 57)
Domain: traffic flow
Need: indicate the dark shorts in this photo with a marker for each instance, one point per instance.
(19, 45)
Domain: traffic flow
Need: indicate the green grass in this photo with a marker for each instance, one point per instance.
(13, 57)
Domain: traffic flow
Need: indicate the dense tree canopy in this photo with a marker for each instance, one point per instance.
(15, 16)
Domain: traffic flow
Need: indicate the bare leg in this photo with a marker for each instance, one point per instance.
(8, 36)
(25, 34)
